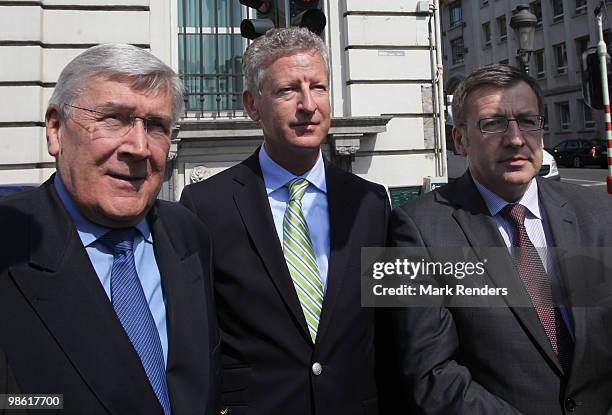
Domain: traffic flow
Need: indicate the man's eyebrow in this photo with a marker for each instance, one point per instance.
(503, 114)
(122, 108)
(527, 113)
(113, 106)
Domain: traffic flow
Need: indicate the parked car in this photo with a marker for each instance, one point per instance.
(579, 153)
(549, 167)
(457, 164)
(7, 189)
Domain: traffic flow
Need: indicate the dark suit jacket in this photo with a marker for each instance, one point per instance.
(59, 329)
(267, 351)
(8, 385)
(498, 360)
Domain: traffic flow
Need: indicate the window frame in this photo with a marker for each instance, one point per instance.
(557, 16)
(454, 6)
(580, 9)
(540, 72)
(455, 59)
(588, 120)
(565, 117)
(486, 33)
(560, 69)
(209, 51)
(503, 35)
(537, 11)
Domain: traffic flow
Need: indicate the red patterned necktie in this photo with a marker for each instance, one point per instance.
(535, 279)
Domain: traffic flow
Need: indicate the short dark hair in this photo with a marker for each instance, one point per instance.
(499, 75)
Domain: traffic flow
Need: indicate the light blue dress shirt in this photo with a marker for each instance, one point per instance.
(102, 260)
(538, 231)
(314, 204)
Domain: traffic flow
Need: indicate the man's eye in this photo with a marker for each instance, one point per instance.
(113, 120)
(157, 126)
(528, 121)
(492, 123)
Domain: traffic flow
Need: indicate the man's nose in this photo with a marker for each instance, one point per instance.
(136, 141)
(513, 135)
(307, 102)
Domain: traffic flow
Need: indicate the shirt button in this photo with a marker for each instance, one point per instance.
(570, 405)
(317, 369)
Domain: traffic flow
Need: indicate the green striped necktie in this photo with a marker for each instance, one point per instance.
(300, 256)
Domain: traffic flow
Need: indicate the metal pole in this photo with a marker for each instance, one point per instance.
(602, 52)
(440, 87)
(287, 14)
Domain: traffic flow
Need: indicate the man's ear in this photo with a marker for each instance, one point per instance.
(248, 100)
(460, 140)
(53, 122)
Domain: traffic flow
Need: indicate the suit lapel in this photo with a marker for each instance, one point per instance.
(481, 231)
(561, 218)
(187, 321)
(252, 203)
(340, 209)
(62, 287)
(565, 234)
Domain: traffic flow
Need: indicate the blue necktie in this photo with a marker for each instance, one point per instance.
(133, 312)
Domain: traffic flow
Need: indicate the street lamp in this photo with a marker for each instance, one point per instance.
(524, 23)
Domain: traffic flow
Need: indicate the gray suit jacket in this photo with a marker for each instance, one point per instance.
(498, 360)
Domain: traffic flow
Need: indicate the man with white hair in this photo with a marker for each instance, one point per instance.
(105, 291)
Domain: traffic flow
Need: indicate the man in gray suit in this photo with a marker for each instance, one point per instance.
(545, 356)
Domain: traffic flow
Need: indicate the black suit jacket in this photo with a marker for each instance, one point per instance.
(498, 360)
(267, 351)
(60, 332)
(8, 385)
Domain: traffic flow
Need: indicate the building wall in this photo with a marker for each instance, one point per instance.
(382, 65)
(558, 87)
(37, 39)
(388, 69)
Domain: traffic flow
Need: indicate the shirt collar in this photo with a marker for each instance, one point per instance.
(88, 231)
(495, 203)
(276, 176)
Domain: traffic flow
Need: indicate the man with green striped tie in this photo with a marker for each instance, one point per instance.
(287, 228)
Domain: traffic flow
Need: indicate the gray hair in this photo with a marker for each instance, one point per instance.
(274, 44)
(140, 69)
(498, 75)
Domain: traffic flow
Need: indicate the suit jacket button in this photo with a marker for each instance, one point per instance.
(317, 369)
(570, 405)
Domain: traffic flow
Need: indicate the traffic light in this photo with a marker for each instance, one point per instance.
(266, 18)
(307, 13)
(591, 78)
(272, 13)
